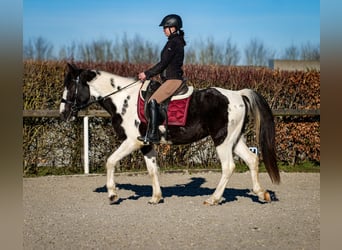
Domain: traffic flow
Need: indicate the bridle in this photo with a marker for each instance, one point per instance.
(75, 107)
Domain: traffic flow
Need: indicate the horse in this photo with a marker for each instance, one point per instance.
(219, 113)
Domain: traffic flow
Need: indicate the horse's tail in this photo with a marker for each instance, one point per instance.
(265, 130)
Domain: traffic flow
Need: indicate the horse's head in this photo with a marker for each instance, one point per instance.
(76, 92)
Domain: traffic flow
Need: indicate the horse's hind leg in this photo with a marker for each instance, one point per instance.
(252, 161)
(150, 156)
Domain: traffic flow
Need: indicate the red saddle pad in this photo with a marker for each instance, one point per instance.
(177, 111)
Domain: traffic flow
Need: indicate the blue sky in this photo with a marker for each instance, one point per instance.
(278, 24)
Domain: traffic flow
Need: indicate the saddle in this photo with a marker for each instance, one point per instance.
(173, 110)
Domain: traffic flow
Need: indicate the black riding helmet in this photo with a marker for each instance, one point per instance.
(172, 20)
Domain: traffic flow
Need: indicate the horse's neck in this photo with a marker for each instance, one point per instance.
(110, 84)
(119, 90)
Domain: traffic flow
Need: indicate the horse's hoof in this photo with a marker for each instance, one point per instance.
(113, 199)
(210, 202)
(206, 203)
(152, 202)
(267, 197)
(155, 202)
(263, 195)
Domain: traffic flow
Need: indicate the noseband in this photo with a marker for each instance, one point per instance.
(74, 107)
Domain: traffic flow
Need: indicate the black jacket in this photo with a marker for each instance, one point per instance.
(171, 60)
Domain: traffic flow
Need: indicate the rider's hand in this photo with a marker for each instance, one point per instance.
(142, 76)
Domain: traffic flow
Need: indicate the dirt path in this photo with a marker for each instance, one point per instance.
(72, 212)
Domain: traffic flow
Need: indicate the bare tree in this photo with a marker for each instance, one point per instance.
(84, 52)
(68, 52)
(28, 51)
(117, 50)
(137, 50)
(125, 48)
(307, 51)
(102, 50)
(291, 53)
(310, 52)
(38, 49)
(190, 56)
(97, 51)
(232, 54)
(151, 52)
(142, 51)
(210, 53)
(257, 54)
(137, 47)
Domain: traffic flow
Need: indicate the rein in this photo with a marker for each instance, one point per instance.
(77, 108)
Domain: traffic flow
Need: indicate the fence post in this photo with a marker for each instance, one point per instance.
(86, 144)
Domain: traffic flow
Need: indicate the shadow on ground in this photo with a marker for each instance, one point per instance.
(191, 189)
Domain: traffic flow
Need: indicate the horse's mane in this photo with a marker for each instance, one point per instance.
(118, 77)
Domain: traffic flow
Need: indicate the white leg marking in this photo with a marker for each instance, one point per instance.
(252, 161)
(62, 106)
(127, 147)
(152, 167)
(225, 154)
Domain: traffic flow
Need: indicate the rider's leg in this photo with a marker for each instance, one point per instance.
(167, 89)
(152, 133)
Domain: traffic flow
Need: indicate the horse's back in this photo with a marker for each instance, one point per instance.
(209, 97)
(233, 96)
(218, 100)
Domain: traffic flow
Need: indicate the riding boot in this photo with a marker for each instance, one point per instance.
(152, 135)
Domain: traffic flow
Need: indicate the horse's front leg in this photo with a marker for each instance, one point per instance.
(226, 157)
(127, 147)
(150, 156)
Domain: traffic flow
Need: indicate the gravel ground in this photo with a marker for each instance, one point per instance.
(72, 212)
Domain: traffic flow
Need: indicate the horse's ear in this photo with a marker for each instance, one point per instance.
(72, 67)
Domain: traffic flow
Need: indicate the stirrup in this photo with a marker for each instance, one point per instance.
(148, 141)
(144, 139)
(157, 141)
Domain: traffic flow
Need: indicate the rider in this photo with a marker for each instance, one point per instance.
(170, 69)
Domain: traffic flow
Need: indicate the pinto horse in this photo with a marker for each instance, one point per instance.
(219, 113)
